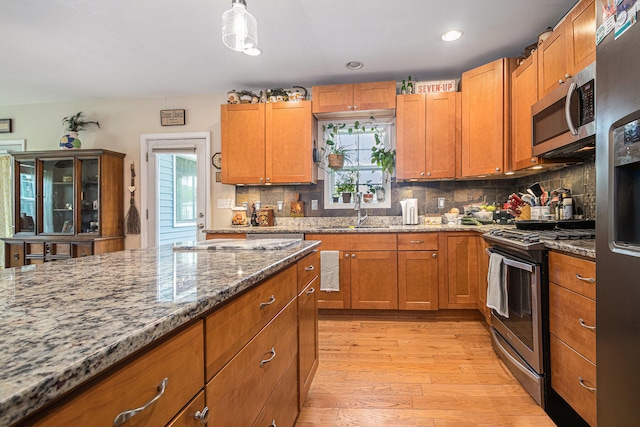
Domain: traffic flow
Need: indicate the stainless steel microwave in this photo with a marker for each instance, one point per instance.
(564, 121)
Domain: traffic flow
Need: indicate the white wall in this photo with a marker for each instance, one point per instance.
(122, 121)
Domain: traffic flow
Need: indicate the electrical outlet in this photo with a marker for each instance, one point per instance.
(314, 205)
(224, 203)
(440, 202)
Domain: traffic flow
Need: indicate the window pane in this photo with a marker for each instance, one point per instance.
(186, 185)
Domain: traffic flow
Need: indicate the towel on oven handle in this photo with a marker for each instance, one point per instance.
(497, 297)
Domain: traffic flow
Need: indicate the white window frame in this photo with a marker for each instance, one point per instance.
(326, 172)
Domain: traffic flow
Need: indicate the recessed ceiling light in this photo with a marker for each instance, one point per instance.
(354, 65)
(451, 35)
(253, 51)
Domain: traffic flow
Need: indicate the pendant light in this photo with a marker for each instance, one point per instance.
(239, 28)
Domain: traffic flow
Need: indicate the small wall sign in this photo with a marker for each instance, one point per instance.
(436, 86)
(172, 117)
(5, 126)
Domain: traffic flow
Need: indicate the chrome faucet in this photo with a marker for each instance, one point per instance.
(358, 208)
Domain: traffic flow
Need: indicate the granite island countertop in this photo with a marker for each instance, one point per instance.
(64, 322)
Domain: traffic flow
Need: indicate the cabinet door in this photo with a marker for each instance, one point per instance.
(524, 93)
(243, 143)
(442, 133)
(25, 216)
(374, 279)
(58, 196)
(552, 60)
(461, 290)
(374, 96)
(332, 98)
(418, 280)
(89, 196)
(14, 254)
(289, 145)
(484, 129)
(342, 298)
(410, 137)
(483, 270)
(307, 338)
(580, 28)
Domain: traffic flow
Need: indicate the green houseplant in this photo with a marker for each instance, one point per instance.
(336, 154)
(346, 185)
(74, 124)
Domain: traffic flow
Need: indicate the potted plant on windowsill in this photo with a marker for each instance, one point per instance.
(346, 185)
(73, 125)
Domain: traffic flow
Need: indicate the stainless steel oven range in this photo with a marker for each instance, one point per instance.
(521, 337)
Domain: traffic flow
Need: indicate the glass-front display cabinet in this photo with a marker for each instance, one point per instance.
(67, 203)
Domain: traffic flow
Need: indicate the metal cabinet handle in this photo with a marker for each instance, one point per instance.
(311, 291)
(353, 255)
(202, 416)
(417, 242)
(584, 325)
(584, 385)
(421, 173)
(310, 268)
(273, 355)
(350, 107)
(428, 173)
(16, 256)
(273, 424)
(585, 279)
(355, 107)
(346, 255)
(124, 416)
(271, 301)
(435, 255)
(497, 169)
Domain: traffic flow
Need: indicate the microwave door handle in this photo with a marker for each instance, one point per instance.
(518, 265)
(567, 108)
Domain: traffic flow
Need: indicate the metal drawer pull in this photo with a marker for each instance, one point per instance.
(584, 385)
(311, 291)
(585, 279)
(273, 355)
(123, 417)
(417, 242)
(202, 416)
(273, 424)
(16, 256)
(310, 268)
(584, 325)
(271, 301)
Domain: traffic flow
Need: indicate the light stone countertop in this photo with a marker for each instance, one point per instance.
(64, 322)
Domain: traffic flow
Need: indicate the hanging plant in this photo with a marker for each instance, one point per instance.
(380, 154)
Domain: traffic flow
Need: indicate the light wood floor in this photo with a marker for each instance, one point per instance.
(414, 373)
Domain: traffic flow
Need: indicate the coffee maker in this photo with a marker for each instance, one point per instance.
(409, 211)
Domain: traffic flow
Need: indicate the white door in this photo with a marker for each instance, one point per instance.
(174, 181)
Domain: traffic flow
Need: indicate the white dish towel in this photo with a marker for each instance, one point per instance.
(497, 296)
(330, 271)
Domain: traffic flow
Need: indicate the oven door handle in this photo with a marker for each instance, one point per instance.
(519, 265)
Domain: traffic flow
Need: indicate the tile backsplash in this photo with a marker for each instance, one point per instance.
(579, 178)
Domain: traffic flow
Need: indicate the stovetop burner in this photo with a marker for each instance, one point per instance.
(534, 240)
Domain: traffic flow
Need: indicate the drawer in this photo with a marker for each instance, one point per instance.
(418, 241)
(180, 360)
(573, 273)
(230, 327)
(308, 269)
(307, 338)
(282, 407)
(14, 254)
(82, 249)
(191, 415)
(237, 394)
(61, 250)
(567, 368)
(34, 248)
(566, 310)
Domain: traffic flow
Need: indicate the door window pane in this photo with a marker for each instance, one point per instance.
(185, 190)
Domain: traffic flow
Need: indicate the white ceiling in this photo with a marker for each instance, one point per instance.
(67, 50)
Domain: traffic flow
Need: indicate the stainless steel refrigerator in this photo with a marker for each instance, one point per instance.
(618, 229)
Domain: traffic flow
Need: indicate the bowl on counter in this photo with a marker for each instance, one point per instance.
(451, 218)
(483, 215)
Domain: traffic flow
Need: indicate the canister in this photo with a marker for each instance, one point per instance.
(266, 218)
(239, 216)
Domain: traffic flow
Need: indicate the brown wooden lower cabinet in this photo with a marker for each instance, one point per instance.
(191, 415)
(460, 265)
(180, 360)
(308, 350)
(418, 280)
(19, 252)
(483, 270)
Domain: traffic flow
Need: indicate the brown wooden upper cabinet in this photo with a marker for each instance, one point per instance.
(268, 143)
(524, 93)
(569, 49)
(486, 118)
(354, 97)
(427, 135)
